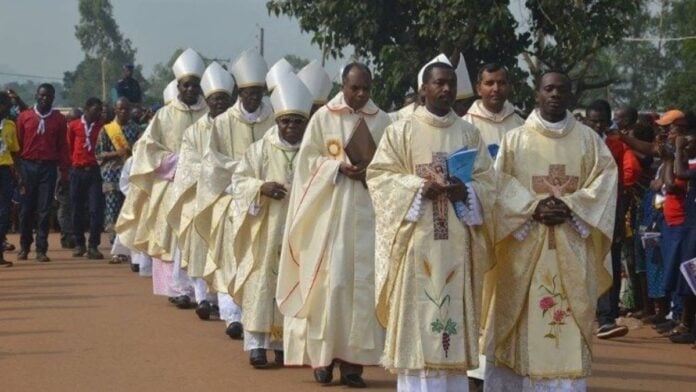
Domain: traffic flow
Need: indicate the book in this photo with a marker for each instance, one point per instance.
(361, 147)
(688, 269)
(460, 164)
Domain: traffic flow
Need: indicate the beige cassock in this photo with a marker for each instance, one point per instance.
(493, 126)
(180, 216)
(549, 280)
(258, 224)
(326, 275)
(232, 134)
(428, 273)
(403, 113)
(142, 223)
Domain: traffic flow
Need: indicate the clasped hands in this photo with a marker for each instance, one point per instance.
(455, 190)
(551, 212)
(274, 190)
(353, 172)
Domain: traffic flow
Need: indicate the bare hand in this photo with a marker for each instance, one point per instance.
(274, 190)
(432, 189)
(353, 172)
(457, 191)
(551, 212)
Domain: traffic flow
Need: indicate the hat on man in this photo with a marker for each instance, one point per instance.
(189, 63)
(170, 92)
(440, 58)
(278, 69)
(317, 80)
(291, 96)
(250, 69)
(676, 117)
(216, 79)
(464, 88)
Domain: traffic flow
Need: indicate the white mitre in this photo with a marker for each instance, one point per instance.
(317, 80)
(440, 58)
(189, 63)
(250, 69)
(291, 96)
(216, 79)
(170, 92)
(464, 88)
(274, 74)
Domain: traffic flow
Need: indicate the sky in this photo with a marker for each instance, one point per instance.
(42, 41)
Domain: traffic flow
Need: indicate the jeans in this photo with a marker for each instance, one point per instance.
(608, 304)
(87, 197)
(6, 191)
(65, 211)
(40, 183)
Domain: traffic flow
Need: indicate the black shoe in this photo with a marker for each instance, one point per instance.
(79, 251)
(94, 254)
(4, 263)
(666, 326)
(203, 310)
(67, 243)
(214, 312)
(609, 331)
(683, 338)
(353, 381)
(257, 358)
(183, 302)
(7, 247)
(235, 330)
(23, 254)
(134, 267)
(279, 358)
(41, 256)
(324, 375)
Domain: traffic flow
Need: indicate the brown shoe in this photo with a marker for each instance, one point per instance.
(41, 256)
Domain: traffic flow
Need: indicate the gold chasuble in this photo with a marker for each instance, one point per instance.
(232, 134)
(429, 273)
(493, 126)
(258, 224)
(180, 216)
(142, 223)
(548, 279)
(326, 274)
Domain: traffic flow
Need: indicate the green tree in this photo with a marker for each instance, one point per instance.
(106, 51)
(27, 90)
(398, 36)
(162, 74)
(570, 35)
(678, 89)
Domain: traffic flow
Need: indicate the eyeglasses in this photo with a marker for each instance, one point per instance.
(295, 121)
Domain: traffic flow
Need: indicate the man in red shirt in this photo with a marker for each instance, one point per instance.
(86, 180)
(41, 131)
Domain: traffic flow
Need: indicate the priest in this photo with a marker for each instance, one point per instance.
(142, 224)
(260, 186)
(557, 185)
(233, 132)
(432, 248)
(492, 114)
(217, 85)
(326, 272)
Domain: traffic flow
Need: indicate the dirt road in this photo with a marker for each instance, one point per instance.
(78, 325)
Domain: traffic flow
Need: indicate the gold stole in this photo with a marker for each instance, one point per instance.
(115, 134)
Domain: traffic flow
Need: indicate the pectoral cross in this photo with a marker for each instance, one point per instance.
(436, 171)
(557, 183)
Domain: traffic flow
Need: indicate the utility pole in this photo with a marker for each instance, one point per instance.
(103, 77)
(261, 41)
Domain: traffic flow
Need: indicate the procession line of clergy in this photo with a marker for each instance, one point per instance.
(338, 260)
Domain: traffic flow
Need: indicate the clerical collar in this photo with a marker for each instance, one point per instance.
(250, 117)
(433, 119)
(556, 127)
(479, 110)
(338, 104)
